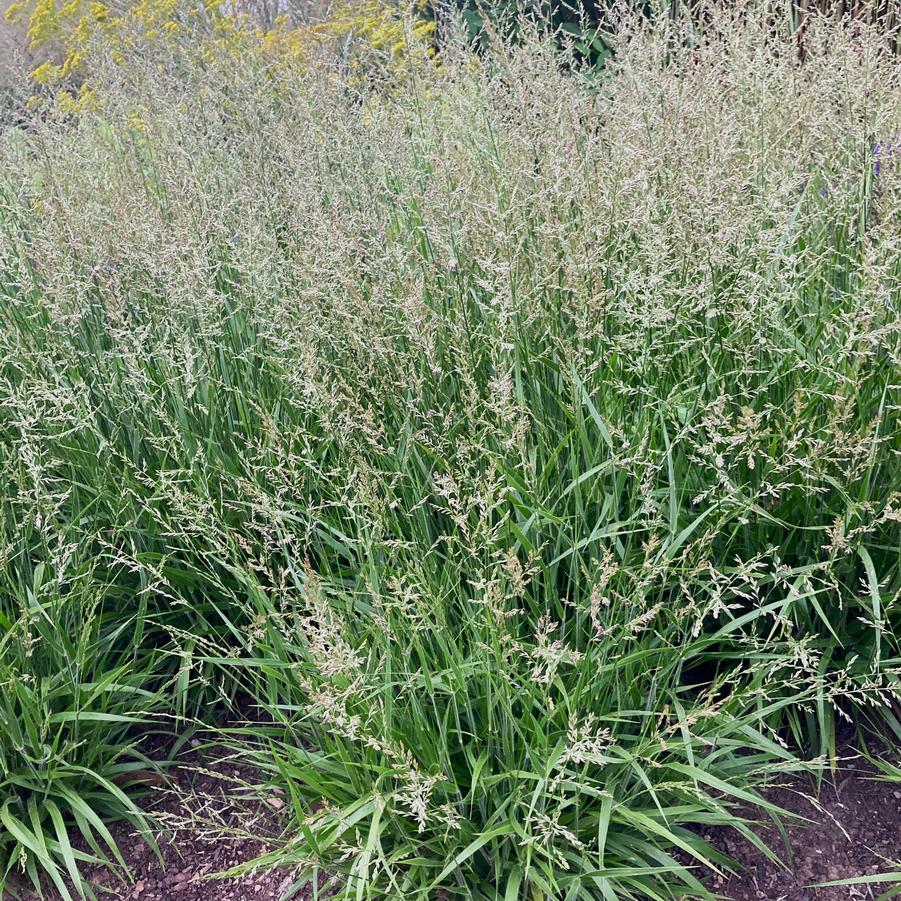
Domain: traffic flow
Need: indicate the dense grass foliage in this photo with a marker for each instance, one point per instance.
(518, 454)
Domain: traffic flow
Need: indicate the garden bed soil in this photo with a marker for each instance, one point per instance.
(854, 829)
(209, 820)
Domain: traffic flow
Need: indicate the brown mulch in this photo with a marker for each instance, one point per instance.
(210, 818)
(855, 830)
(218, 827)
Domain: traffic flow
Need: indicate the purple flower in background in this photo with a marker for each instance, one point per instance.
(884, 153)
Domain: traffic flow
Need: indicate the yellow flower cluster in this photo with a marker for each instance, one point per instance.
(375, 25)
(64, 33)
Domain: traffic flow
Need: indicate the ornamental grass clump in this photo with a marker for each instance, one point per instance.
(513, 450)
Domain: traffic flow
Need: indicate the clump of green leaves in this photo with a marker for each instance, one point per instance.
(74, 692)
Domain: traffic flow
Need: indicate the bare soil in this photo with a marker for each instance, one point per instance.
(854, 830)
(210, 825)
(212, 818)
